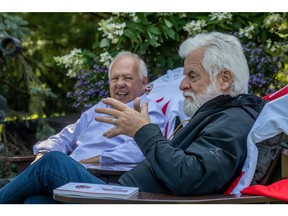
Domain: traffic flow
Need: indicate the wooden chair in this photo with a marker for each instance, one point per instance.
(23, 161)
(277, 167)
(153, 198)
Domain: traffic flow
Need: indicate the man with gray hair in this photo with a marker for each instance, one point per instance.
(84, 141)
(204, 157)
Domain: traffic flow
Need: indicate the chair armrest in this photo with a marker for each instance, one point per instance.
(284, 163)
(21, 162)
(153, 198)
(26, 158)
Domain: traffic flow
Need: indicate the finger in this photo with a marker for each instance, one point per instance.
(86, 161)
(144, 108)
(112, 132)
(137, 104)
(93, 160)
(115, 104)
(109, 120)
(37, 158)
(108, 111)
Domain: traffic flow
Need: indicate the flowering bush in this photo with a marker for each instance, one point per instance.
(91, 81)
(74, 61)
(90, 87)
(157, 36)
(263, 68)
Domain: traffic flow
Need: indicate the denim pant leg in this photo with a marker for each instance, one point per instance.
(49, 172)
(40, 199)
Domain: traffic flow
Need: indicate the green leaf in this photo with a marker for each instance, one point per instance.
(104, 43)
(168, 23)
(170, 32)
(152, 41)
(132, 35)
(137, 27)
(150, 35)
(153, 29)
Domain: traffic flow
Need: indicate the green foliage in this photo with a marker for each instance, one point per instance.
(17, 77)
(14, 26)
(154, 36)
(35, 82)
(157, 36)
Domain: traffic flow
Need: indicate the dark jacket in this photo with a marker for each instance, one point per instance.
(204, 157)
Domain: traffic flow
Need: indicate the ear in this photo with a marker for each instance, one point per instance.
(226, 80)
(145, 80)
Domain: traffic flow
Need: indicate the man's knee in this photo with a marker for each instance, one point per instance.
(53, 157)
(55, 154)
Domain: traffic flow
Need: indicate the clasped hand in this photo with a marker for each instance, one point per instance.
(127, 121)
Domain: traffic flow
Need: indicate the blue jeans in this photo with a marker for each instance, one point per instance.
(36, 183)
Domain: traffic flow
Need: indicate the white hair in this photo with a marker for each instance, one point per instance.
(221, 52)
(142, 69)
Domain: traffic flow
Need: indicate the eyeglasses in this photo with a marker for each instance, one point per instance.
(178, 128)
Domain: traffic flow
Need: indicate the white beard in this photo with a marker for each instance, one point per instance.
(195, 101)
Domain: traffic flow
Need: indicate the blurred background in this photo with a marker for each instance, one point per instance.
(60, 66)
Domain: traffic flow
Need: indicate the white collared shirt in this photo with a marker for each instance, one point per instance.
(84, 139)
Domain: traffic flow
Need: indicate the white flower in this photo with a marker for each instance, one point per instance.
(271, 20)
(135, 18)
(269, 43)
(227, 17)
(106, 58)
(249, 30)
(74, 61)
(276, 46)
(112, 30)
(163, 14)
(182, 15)
(274, 22)
(195, 27)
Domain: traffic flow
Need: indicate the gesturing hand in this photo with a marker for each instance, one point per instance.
(127, 121)
(93, 160)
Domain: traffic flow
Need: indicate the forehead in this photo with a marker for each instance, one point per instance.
(125, 65)
(194, 60)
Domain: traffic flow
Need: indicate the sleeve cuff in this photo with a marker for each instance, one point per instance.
(147, 136)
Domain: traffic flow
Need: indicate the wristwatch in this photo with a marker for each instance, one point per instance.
(43, 151)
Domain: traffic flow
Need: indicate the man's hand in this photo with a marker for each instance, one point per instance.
(38, 156)
(126, 120)
(92, 160)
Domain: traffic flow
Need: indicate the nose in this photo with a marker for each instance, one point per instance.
(120, 82)
(184, 85)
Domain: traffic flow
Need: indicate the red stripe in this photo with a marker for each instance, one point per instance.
(159, 100)
(164, 108)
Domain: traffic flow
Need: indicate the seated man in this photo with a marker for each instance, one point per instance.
(84, 140)
(204, 157)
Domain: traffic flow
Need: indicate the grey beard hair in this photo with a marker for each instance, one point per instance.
(191, 105)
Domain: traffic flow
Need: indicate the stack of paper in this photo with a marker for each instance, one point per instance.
(96, 190)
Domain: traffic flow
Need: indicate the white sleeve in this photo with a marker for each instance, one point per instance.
(65, 140)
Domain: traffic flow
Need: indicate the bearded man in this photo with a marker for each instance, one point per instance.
(204, 157)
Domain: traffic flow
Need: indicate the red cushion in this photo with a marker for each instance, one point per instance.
(277, 190)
